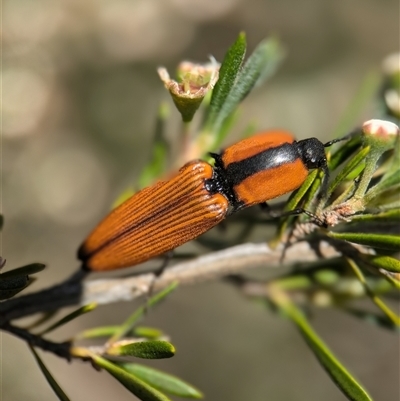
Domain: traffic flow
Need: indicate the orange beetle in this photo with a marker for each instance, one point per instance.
(169, 213)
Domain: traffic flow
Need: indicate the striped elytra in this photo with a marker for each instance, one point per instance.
(155, 220)
(169, 213)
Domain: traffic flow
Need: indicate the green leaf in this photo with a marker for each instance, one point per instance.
(71, 316)
(163, 381)
(387, 216)
(41, 319)
(326, 277)
(227, 75)
(12, 286)
(107, 331)
(348, 168)
(274, 53)
(383, 185)
(261, 63)
(226, 127)
(132, 383)
(153, 349)
(387, 199)
(386, 310)
(382, 262)
(294, 200)
(372, 293)
(102, 331)
(147, 332)
(127, 326)
(50, 379)
(382, 241)
(338, 373)
(299, 194)
(344, 152)
(14, 281)
(296, 282)
(390, 278)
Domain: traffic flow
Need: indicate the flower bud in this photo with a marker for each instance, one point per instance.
(380, 136)
(195, 81)
(380, 133)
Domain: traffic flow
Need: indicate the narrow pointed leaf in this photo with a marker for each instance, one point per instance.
(294, 201)
(127, 326)
(383, 262)
(382, 285)
(339, 374)
(344, 152)
(390, 206)
(296, 282)
(131, 382)
(163, 381)
(348, 168)
(22, 271)
(154, 349)
(147, 332)
(227, 76)
(41, 320)
(102, 331)
(386, 200)
(71, 316)
(274, 53)
(382, 241)
(262, 62)
(390, 215)
(395, 319)
(50, 379)
(13, 285)
(224, 130)
(372, 293)
(107, 331)
(383, 185)
(392, 280)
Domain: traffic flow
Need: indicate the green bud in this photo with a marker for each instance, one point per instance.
(195, 81)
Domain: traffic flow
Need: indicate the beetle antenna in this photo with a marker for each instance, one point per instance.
(325, 169)
(350, 135)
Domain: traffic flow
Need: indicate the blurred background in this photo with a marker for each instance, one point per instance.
(80, 95)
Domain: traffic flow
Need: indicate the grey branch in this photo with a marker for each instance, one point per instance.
(234, 260)
(210, 267)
